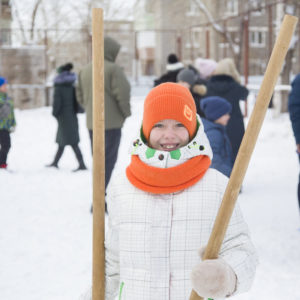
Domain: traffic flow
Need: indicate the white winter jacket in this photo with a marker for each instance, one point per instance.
(152, 240)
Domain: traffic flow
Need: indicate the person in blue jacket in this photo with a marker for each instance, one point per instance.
(226, 83)
(294, 110)
(7, 122)
(217, 114)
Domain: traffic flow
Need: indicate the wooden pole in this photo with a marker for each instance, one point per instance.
(246, 57)
(249, 140)
(98, 289)
(207, 44)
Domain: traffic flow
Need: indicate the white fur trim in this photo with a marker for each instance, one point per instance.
(176, 66)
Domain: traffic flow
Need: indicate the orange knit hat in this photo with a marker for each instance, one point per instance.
(169, 101)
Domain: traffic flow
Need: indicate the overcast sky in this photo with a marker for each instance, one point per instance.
(68, 13)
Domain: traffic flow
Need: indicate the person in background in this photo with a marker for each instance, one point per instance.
(173, 68)
(199, 79)
(187, 78)
(162, 209)
(117, 101)
(7, 122)
(225, 83)
(205, 67)
(64, 110)
(294, 111)
(217, 114)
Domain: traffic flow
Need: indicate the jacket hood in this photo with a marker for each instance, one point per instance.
(199, 145)
(65, 77)
(199, 89)
(111, 49)
(222, 82)
(174, 67)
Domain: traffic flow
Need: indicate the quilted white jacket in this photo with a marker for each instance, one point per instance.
(152, 240)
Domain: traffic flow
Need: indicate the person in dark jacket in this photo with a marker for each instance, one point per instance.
(294, 111)
(64, 110)
(117, 101)
(7, 122)
(174, 66)
(217, 114)
(188, 78)
(226, 83)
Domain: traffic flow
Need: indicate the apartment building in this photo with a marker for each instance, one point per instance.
(243, 30)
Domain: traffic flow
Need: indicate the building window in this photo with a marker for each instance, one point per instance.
(232, 7)
(258, 5)
(257, 39)
(5, 37)
(196, 36)
(193, 9)
(223, 50)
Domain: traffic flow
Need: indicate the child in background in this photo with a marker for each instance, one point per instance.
(225, 83)
(217, 114)
(7, 122)
(161, 212)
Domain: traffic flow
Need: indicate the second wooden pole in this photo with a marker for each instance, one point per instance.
(248, 143)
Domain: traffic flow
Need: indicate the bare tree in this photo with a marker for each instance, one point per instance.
(33, 18)
(19, 20)
(218, 28)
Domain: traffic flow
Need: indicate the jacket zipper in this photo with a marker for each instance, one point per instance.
(121, 289)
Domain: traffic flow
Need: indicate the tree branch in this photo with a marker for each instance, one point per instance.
(33, 18)
(219, 29)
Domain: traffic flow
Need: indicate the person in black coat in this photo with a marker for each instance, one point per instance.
(64, 110)
(173, 68)
(226, 83)
(294, 111)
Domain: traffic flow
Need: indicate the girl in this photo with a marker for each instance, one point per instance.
(161, 212)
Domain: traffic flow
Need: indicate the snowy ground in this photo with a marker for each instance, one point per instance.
(46, 226)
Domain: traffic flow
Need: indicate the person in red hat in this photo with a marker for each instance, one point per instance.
(162, 209)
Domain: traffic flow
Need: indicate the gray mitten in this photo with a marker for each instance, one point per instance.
(213, 278)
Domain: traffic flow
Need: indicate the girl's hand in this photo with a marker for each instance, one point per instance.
(213, 278)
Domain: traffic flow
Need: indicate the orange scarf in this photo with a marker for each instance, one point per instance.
(169, 180)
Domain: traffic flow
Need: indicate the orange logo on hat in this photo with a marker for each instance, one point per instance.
(187, 112)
